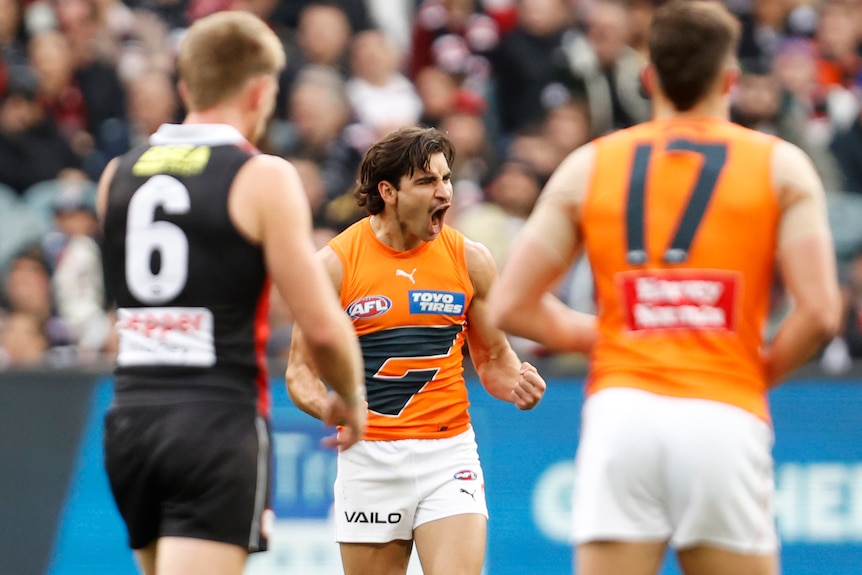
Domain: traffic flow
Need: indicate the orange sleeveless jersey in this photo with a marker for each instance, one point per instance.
(409, 310)
(680, 222)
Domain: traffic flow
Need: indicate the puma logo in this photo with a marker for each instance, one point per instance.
(403, 274)
(472, 494)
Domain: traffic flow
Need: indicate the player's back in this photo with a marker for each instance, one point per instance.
(680, 222)
(409, 309)
(191, 291)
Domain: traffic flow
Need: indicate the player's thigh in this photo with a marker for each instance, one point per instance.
(190, 470)
(146, 559)
(720, 479)
(619, 482)
(187, 556)
(453, 545)
(449, 478)
(616, 557)
(375, 498)
(389, 558)
(706, 560)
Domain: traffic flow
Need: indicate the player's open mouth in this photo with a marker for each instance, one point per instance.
(437, 217)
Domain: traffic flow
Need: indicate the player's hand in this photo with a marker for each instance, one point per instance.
(529, 388)
(351, 418)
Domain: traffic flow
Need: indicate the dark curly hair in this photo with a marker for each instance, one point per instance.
(400, 153)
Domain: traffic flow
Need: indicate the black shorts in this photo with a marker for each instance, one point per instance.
(198, 470)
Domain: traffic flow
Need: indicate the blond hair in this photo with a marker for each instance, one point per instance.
(222, 52)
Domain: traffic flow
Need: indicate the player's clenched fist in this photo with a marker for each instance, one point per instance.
(529, 388)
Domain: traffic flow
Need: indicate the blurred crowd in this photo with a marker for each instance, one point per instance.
(516, 85)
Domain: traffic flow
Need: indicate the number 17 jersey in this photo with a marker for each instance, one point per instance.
(409, 309)
(680, 221)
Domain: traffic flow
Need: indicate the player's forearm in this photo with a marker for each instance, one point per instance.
(551, 323)
(340, 366)
(801, 335)
(332, 355)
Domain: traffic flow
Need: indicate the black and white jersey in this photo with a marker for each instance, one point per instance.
(190, 290)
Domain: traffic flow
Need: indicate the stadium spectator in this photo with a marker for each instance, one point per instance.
(439, 92)
(320, 128)
(458, 36)
(73, 249)
(27, 289)
(31, 147)
(846, 146)
(530, 69)
(321, 39)
(476, 160)
(13, 37)
(510, 198)
(382, 98)
(152, 101)
(607, 70)
(23, 341)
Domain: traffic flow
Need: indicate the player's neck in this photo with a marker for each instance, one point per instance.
(223, 115)
(390, 232)
(713, 106)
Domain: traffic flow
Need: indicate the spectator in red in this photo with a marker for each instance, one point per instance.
(458, 36)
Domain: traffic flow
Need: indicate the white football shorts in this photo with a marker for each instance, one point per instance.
(688, 471)
(386, 489)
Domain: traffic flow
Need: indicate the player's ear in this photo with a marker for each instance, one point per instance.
(648, 81)
(258, 92)
(730, 77)
(183, 91)
(387, 192)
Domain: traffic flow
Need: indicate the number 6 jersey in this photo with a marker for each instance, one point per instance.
(409, 310)
(191, 292)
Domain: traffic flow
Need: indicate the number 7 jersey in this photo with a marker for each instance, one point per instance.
(409, 310)
(680, 221)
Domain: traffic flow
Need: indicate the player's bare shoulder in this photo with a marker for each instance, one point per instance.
(480, 265)
(332, 264)
(568, 185)
(266, 187)
(794, 176)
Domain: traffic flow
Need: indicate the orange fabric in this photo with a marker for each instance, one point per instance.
(691, 329)
(409, 311)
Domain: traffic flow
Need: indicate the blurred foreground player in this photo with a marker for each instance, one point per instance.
(196, 222)
(683, 220)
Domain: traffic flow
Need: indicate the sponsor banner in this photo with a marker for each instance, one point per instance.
(436, 302)
(679, 299)
(527, 460)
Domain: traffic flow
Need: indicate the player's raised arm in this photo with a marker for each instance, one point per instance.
(806, 256)
(520, 302)
(280, 219)
(501, 372)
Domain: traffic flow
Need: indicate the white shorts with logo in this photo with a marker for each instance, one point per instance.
(386, 489)
(688, 471)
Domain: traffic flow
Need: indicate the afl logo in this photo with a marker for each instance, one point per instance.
(466, 475)
(369, 306)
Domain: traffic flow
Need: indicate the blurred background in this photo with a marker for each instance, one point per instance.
(517, 85)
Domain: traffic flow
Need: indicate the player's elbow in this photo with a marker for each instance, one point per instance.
(823, 318)
(502, 312)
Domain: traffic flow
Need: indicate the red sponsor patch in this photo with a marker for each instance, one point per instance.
(679, 299)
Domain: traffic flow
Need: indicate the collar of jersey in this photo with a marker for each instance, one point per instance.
(196, 134)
